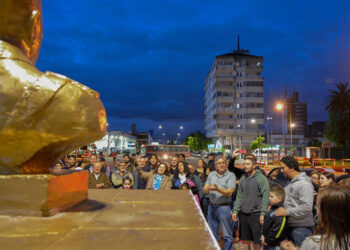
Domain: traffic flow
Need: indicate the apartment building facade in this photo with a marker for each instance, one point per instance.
(297, 114)
(234, 99)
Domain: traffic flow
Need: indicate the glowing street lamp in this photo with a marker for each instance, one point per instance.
(280, 107)
(160, 127)
(253, 121)
(181, 127)
(292, 125)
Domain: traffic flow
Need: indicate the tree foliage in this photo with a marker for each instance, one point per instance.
(338, 107)
(258, 143)
(197, 141)
(314, 143)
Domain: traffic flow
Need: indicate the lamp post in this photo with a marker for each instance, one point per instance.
(292, 125)
(280, 107)
(269, 118)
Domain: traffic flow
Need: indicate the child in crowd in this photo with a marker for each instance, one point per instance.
(127, 183)
(186, 186)
(274, 227)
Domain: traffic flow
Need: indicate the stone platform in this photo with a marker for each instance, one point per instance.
(128, 219)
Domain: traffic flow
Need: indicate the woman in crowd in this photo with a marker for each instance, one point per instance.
(158, 179)
(202, 170)
(315, 177)
(183, 175)
(326, 179)
(333, 204)
(153, 161)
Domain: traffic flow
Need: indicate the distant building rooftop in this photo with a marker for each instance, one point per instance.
(237, 53)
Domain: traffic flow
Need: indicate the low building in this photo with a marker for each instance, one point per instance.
(117, 141)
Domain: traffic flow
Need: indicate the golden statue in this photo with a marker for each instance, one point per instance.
(42, 115)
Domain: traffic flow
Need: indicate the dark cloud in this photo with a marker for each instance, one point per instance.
(149, 59)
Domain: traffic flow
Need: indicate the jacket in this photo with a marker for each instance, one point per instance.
(253, 194)
(117, 179)
(150, 176)
(274, 227)
(299, 201)
(103, 178)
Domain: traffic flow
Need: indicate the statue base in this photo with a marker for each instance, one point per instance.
(42, 194)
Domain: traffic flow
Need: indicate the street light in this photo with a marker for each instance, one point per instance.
(181, 127)
(280, 107)
(160, 127)
(270, 136)
(292, 125)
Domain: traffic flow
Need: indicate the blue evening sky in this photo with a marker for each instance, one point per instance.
(149, 59)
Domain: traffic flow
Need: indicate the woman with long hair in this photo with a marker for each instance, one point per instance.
(333, 206)
(326, 179)
(202, 170)
(158, 179)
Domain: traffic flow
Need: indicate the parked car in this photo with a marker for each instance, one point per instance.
(196, 154)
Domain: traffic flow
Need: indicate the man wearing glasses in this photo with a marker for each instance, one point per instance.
(220, 185)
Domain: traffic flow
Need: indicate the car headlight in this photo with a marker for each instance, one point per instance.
(165, 157)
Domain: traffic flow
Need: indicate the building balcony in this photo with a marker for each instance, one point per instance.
(252, 69)
(225, 79)
(252, 78)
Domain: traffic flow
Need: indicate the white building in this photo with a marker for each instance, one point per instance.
(117, 141)
(234, 99)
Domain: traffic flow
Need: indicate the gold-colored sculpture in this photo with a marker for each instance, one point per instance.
(42, 115)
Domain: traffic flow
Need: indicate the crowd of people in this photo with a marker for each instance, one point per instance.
(287, 209)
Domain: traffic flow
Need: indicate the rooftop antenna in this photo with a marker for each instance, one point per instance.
(238, 44)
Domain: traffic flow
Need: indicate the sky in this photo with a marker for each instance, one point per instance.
(149, 59)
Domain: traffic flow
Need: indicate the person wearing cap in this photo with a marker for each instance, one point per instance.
(219, 186)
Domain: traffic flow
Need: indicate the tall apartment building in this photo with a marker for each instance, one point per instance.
(297, 114)
(234, 99)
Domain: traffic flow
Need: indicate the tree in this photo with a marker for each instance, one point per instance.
(197, 141)
(258, 143)
(338, 107)
(314, 143)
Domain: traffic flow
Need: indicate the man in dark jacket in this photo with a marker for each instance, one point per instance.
(211, 162)
(274, 228)
(252, 201)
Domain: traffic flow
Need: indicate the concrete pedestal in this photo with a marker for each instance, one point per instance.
(42, 194)
(130, 219)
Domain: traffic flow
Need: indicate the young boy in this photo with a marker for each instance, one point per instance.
(274, 227)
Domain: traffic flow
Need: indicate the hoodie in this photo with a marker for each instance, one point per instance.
(299, 201)
(253, 194)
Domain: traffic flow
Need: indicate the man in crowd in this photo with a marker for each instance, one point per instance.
(173, 165)
(142, 164)
(220, 185)
(298, 202)
(93, 160)
(71, 162)
(130, 167)
(134, 159)
(252, 201)
(118, 176)
(211, 162)
(97, 179)
(182, 158)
